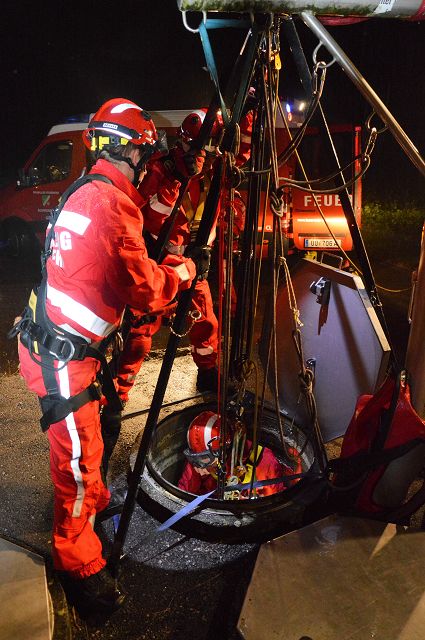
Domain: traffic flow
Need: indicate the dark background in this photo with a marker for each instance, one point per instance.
(63, 58)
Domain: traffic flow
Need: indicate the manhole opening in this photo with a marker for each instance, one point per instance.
(166, 459)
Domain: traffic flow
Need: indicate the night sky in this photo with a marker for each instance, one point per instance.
(63, 58)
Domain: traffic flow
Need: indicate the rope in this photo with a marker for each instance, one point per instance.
(292, 300)
(275, 204)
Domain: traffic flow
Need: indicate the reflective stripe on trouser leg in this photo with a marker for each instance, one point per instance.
(75, 456)
(204, 333)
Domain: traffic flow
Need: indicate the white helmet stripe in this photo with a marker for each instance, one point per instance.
(200, 113)
(208, 429)
(119, 108)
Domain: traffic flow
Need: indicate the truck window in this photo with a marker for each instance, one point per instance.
(52, 164)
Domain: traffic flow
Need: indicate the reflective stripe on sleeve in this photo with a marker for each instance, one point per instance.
(73, 221)
(182, 272)
(176, 249)
(158, 206)
(203, 351)
(79, 313)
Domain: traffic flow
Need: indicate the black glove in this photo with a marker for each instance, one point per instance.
(194, 162)
(184, 166)
(201, 256)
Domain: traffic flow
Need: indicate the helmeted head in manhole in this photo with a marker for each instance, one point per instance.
(249, 470)
(268, 480)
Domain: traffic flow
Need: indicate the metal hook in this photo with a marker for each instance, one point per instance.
(185, 23)
(326, 65)
(368, 124)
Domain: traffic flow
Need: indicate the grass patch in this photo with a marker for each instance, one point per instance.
(393, 232)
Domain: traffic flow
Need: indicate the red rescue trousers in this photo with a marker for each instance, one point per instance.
(76, 449)
(203, 338)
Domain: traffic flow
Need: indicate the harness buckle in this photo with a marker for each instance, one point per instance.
(22, 325)
(61, 346)
(95, 390)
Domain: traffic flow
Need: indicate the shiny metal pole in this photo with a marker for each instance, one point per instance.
(415, 354)
(365, 89)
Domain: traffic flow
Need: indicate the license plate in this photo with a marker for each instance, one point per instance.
(321, 243)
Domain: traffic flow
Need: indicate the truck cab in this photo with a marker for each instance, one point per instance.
(61, 158)
(26, 204)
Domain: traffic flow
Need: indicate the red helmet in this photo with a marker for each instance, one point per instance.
(203, 438)
(119, 121)
(191, 126)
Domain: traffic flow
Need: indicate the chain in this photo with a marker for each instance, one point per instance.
(195, 315)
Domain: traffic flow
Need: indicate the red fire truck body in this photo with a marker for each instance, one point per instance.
(61, 158)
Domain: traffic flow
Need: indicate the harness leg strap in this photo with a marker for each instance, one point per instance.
(55, 407)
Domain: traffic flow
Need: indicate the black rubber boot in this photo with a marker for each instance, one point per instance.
(98, 594)
(207, 380)
(111, 426)
(115, 505)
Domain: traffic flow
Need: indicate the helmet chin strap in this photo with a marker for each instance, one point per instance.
(137, 168)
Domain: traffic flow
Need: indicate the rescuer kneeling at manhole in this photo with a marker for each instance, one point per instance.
(201, 469)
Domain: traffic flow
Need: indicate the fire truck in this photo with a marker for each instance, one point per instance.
(61, 158)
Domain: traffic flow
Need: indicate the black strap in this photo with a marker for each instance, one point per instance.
(362, 462)
(55, 407)
(61, 347)
(108, 386)
(90, 177)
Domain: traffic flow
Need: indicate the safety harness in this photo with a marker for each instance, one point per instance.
(47, 342)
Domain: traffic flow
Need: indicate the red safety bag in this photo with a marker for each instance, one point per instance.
(383, 451)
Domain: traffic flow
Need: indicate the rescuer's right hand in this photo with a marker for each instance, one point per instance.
(184, 165)
(194, 162)
(201, 256)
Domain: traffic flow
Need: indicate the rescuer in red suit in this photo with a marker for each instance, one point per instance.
(200, 471)
(97, 264)
(160, 189)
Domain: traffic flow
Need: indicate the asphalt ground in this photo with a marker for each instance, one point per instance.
(177, 587)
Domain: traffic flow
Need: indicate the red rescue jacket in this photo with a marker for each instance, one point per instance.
(268, 467)
(160, 190)
(99, 260)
